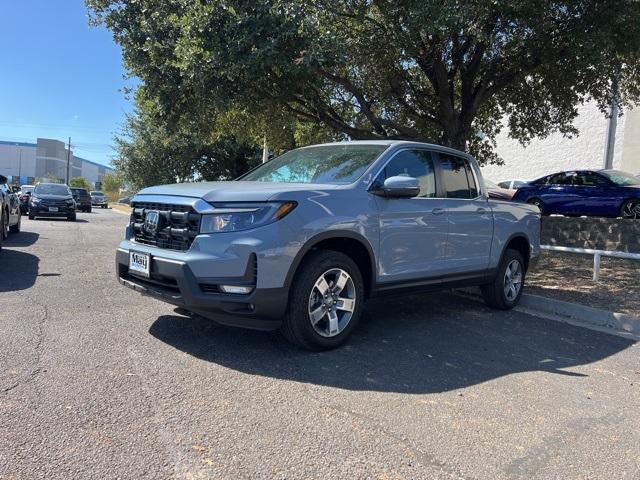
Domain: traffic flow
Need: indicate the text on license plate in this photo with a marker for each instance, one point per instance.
(139, 263)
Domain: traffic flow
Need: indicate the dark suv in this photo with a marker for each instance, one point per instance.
(52, 200)
(82, 198)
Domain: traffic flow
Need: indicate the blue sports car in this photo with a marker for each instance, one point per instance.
(602, 193)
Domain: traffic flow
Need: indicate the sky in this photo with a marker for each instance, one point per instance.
(60, 77)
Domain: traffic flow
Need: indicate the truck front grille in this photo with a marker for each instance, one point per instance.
(177, 225)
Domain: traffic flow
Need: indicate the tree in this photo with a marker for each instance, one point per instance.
(149, 152)
(79, 182)
(446, 71)
(111, 182)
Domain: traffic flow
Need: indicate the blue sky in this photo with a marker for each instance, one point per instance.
(59, 77)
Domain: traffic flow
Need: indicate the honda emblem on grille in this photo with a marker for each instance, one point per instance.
(152, 222)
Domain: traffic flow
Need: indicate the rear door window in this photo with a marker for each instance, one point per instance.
(459, 181)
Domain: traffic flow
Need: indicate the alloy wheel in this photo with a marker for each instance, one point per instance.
(631, 209)
(512, 280)
(332, 302)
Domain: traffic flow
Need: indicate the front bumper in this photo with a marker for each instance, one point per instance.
(173, 281)
(43, 211)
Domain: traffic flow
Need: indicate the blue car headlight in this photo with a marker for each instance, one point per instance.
(35, 200)
(243, 216)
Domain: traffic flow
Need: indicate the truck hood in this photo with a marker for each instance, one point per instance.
(232, 191)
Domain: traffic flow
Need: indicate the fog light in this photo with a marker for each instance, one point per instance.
(236, 289)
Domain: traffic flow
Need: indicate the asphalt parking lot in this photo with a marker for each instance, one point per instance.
(99, 382)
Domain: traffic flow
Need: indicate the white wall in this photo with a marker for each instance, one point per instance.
(10, 163)
(556, 153)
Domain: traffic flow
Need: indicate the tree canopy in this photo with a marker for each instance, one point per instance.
(80, 182)
(448, 71)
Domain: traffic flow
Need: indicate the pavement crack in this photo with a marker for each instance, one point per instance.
(37, 368)
(426, 458)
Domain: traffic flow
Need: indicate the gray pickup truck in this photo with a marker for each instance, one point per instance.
(300, 242)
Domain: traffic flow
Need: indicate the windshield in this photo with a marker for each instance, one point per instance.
(97, 194)
(621, 178)
(334, 164)
(51, 189)
(79, 191)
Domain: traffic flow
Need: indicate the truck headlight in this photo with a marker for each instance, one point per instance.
(233, 217)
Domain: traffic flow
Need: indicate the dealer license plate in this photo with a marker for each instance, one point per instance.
(139, 263)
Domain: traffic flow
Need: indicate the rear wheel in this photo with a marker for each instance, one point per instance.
(1, 227)
(4, 226)
(631, 209)
(538, 203)
(31, 216)
(72, 217)
(16, 228)
(88, 209)
(325, 302)
(505, 291)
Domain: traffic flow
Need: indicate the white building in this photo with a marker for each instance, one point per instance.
(586, 151)
(27, 163)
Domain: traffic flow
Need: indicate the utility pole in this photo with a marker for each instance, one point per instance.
(68, 159)
(20, 164)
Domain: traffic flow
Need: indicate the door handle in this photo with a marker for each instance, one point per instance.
(437, 211)
(481, 210)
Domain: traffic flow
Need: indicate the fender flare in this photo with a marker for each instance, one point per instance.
(331, 234)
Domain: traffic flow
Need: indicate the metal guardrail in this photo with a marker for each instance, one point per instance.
(597, 254)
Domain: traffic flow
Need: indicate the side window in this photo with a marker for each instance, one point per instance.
(560, 179)
(417, 164)
(458, 177)
(590, 179)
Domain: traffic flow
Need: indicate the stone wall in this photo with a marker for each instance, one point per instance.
(598, 233)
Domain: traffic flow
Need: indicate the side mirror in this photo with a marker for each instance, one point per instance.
(399, 187)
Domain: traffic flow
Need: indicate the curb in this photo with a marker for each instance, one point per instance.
(574, 313)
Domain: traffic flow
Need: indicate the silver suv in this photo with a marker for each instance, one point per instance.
(299, 243)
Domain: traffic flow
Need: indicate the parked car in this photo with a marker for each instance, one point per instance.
(52, 200)
(25, 194)
(512, 184)
(498, 193)
(82, 198)
(602, 193)
(99, 199)
(126, 200)
(301, 241)
(10, 218)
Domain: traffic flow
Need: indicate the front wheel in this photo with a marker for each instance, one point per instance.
(506, 289)
(631, 209)
(538, 203)
(71, 218)
(325, 301)
(16, 228)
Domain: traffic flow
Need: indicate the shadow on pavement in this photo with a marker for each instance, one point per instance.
(21, 239)
(18, 270)
(419, 344)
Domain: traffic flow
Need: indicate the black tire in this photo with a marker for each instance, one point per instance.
(494, 293)
(31, 216)
(297, 325)
(538, 203)
(71, 218)
(1, 227)
(4, 226)
(16, 228)
(89, 210)
(631, 209)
